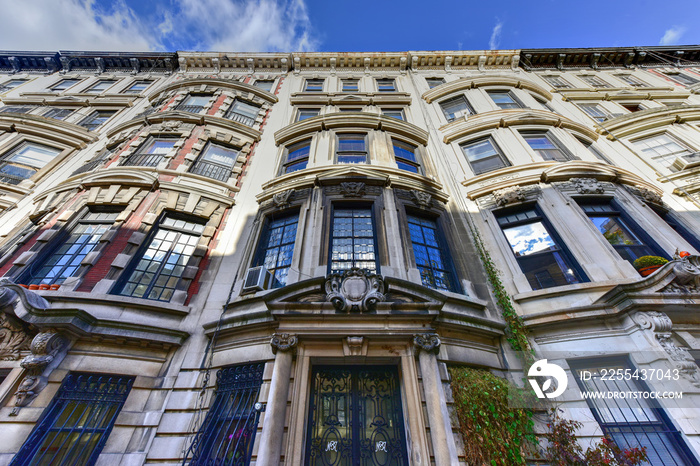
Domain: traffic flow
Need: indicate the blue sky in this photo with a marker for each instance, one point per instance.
(338, 25)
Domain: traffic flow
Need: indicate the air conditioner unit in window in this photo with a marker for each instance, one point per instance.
(686, 162)
(257, 279)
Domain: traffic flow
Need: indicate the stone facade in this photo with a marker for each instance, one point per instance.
(587, 157)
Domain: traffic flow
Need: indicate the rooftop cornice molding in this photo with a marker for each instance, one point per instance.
(74, 100)
(463, 84)
(133, 62)
(655, 118)
(51, 129)
(217, 83)
(240, 62)
(462, 128)
(610, 57)
(352, 121)
(464, 59)
(16, 62)
(349, 61)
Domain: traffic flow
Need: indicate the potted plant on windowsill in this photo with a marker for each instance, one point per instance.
(646, 265)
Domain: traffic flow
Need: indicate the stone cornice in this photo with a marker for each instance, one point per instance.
(614, 94)
(222, 61)
(51, 129)
(463, 84)
(73, 100)
(196, 84)
(464, 59)
(610, 57)
(345, 99)
(360, 121)
(636, 122)
(343, 62)
(462, 127)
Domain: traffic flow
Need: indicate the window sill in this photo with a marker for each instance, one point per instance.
(139, 304)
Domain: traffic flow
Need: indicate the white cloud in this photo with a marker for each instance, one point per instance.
(672, 35)
(496, 35)
(71, 25)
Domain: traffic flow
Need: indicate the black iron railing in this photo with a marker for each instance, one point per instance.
(243, 119)
(142, 160)
(211, 170)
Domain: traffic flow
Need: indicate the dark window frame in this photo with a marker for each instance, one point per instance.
(399, 110)
(288, 218)
(240, 117)
(557, 82)
(196, 109)
(444, 250)
(346, 85)
(314, 84)
(504, 160)
(371, 207)
(4, 86)
(386, 85)
(141, 158)
(347, 154)
(567, 155)
(264, 88)
(93, 88)
(467, 111)
(5, 161)
(129, 89)
(673, 220)
(301, 110)
(514, 105)
(58, 85)
(211, 169)
(297, 161)
(97, 115)
(433, 82)
(414, 163)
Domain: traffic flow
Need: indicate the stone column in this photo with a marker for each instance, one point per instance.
(270, 448)
(444, 448)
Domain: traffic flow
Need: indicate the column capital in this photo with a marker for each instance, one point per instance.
(283, 342)
(428, 342)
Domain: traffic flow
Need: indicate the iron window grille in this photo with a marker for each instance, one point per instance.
(243, 112)
(431, 254)
(631, 422)
(276, 247)
(75, 426)
(662, 149)
(540, 253)
(314, 85)
(306, 113)
(297, 156)
(351, 85)
(484, 156)
(546, 147)
(194, 103)
(64, 84)
(595, 81)
(216, 162)
(58, 113)
(434, 82)
(137, 87)
(149, 154)
(352, 148)
(504, 100)
(456, 107)
(632, 80)
(156, 269)
(405, 156)
(24, 161)
(96, 119)
(394, 113)
(618, 228)
(264, 84)
(11, 84)
(100, 86)
(228, 432)
(65, 260)
(386, 85)
(557, 82)
(353, 240)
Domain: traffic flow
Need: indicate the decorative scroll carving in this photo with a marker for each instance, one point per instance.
(587, 185)
(283, 342)
(508, 195)
(282, 199)
(428, 342)
(13, 338)
(170, 126)
(352, 189)
(649, 195)
(421, 198)
(354, 290)
(44, 347)
(687, 276)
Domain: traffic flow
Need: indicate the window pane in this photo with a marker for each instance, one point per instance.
(455, 108)
(33, 155)
(661, 148)
(352, 240)
(432, 257)
(386, 85)
(243, 112)
(216, 162)
(483, 156)
(58, 113)
(434, 82)
(504, 100)
(263, 84)
(314, 85)
(305, 113)
(277, 248)
(545, 148)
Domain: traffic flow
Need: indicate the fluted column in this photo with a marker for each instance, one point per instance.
(270, 449)
(444, 448)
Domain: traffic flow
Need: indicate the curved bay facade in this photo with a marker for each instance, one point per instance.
(228, 258)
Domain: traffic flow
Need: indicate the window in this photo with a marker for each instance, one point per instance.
(431, 254)
(157, 269)
(215, 162)
(594, 81)
(632, 80)
(276, 247)
(456, 107)
(95, 162)
(64, 84)
(352, 148)
(137, 87)
(305, 113)
(434, 82)
(394, 113)
(596, 112)
(557, 82)
(540, 253)
(386, 85)
(405, 156)
(544, 145)
(663, 149)
(11, 84)
(243, 112)
(58, 113)
(352, 240)
(684, 79)
(504, 100)
(297, 156)
(633, 107)
(484, 156)
(194, 103)
(264, 84)
(228, 432)
(350, 85)
(100, 86)
(633, 421)
(314, 85)
(77, 422)
(24, 161)
(628, 239)
(96, 119)
(16, 109)
(64, 261)
(679, 227)
(150, 153)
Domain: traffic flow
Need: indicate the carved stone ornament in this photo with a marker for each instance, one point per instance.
(354, 290)
(687, 276)
(421, 198)
(13, 338)
(352, 189)
(508, 195)
(283, 342)
(282, 199)
(660, 324)
(587, 186)
(649, 195)
(355, 345)
(428, 342)
(169, 126)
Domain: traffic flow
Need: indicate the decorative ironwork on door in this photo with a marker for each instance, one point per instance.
(355, 417)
